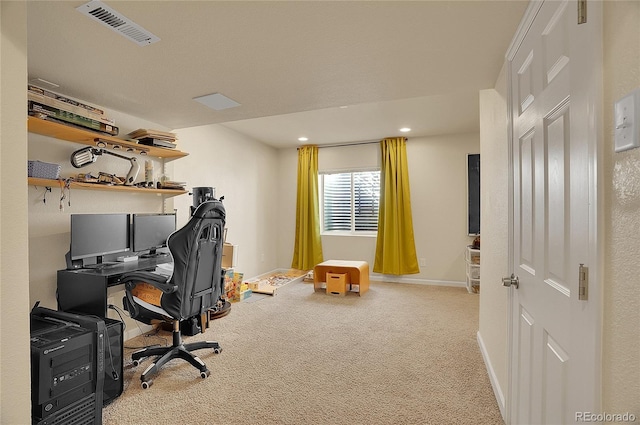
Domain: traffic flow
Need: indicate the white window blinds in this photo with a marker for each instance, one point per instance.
(350, 201)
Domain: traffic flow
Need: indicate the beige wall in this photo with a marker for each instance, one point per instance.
(492, 334)
(437, 173)
(621, 327)
(15, 384)
(245, 172)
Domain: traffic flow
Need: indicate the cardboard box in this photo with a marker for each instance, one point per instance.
(229, 284)
(337, 283)
(229, 255)
(244, 295)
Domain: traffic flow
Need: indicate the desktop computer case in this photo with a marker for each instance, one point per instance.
(67, 369)
(113, 361)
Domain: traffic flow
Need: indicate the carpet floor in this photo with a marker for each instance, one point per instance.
(400, 354)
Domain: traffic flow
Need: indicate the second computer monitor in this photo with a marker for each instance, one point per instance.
(150, 232)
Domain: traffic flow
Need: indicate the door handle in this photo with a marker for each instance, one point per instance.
(513, 280)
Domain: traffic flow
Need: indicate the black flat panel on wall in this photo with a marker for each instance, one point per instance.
(473, 194)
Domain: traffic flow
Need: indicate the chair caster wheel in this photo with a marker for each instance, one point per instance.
(217, 350)
(147, 384)
(136, 363)
(204, 374)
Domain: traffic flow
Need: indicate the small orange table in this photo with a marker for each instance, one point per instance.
(358, 272)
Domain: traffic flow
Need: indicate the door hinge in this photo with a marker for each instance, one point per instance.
(583, 283)
(582, 12)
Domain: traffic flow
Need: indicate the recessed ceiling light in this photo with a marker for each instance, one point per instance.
(405, 129)
(217, 101)
(303, 139)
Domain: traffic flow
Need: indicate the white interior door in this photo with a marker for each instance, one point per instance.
(555, 90)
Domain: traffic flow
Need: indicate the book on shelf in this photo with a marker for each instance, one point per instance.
(49, 112)
(168, 184)
(150, 141)
(49, 101)
(154, 134)
(65, 99)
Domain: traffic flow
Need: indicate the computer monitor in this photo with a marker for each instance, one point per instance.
(95, 235)
(150, 232)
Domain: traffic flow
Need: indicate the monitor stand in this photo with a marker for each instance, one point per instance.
(99, 265)
(154, 254)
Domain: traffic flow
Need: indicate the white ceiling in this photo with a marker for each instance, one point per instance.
(334, 71)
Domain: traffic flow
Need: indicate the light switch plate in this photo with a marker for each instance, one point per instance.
(626, 117)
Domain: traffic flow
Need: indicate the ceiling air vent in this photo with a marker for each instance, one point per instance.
(102, 13)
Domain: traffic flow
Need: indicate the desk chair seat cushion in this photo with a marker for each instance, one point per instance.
(149, 281)
(148, 293)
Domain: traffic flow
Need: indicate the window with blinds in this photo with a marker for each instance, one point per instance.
(350, 201)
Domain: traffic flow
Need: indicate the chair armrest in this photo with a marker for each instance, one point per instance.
(132, 279)
(154, 279)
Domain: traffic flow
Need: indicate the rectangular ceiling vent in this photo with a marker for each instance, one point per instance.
(102, 13)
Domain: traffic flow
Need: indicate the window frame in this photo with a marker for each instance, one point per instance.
(352, 232)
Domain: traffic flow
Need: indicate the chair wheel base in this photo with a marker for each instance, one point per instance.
(146, 384)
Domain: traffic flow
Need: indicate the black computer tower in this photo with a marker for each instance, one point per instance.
(64, 375)
(67, 367)
(113, 361)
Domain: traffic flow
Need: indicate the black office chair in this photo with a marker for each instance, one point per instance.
(194, 289)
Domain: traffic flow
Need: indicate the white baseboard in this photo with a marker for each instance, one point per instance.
(399, 279)
(497, 391)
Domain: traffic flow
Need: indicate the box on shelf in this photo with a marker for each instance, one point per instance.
(43, 170)
(337, 283)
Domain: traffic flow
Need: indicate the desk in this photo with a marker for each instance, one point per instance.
(358, 273)
(85, 290)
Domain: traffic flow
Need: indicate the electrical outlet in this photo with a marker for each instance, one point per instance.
(423, 262)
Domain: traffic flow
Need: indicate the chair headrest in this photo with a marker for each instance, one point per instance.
(210, 209)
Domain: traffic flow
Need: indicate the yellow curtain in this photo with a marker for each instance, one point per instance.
(395, 246)
(307, 250)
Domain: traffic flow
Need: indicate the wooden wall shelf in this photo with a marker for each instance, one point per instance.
(33, 181)
(88, 137)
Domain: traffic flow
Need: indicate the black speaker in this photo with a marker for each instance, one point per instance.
(113, 361)
(72, 264)
(202, 194)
